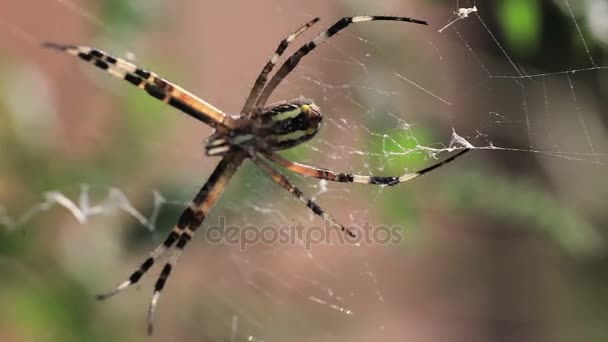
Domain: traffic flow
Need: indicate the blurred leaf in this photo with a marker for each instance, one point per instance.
(398, 151)
(521, 22)
(121, 15)
(526, 204)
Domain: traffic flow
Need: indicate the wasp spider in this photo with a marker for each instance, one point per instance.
(256, 134)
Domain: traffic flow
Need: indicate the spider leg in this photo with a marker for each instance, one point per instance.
(286, 183)
(189, 221)
(153, 84)
(294, 59)
(214, 188)
(260, 82)
(329, 175)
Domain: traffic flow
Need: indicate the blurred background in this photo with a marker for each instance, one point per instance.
(505, 244)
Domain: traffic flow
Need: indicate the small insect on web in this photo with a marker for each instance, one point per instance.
(256, 134)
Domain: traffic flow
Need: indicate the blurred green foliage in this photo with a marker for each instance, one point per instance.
(522, 23)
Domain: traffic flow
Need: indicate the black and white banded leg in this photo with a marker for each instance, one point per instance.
(189, 221)
(260, 82)
(329, 175)
(285, 183)
(156, 86)
(295, 58)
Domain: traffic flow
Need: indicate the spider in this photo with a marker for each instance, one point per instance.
(257, 133)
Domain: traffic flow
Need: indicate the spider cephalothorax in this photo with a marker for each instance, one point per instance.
(256, 133)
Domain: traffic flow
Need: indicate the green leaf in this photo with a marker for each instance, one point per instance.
(521, 22)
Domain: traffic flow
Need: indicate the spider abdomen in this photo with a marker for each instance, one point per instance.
(287, 124)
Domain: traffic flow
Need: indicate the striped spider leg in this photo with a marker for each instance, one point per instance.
(189, 221)
(260, 82)
(292, 62)
(312, 171)
(297, 193)
(156, 86)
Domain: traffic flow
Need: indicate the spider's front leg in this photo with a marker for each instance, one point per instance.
(292, 62)
(260, 82)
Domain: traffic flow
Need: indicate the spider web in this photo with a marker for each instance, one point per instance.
(98, 166)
